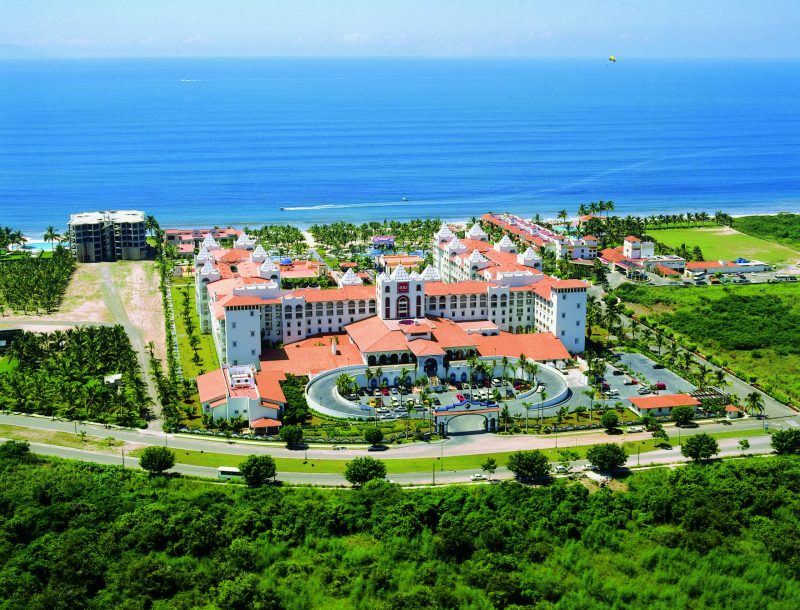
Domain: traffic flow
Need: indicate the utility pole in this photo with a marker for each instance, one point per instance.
(122, 451)
(433, 471)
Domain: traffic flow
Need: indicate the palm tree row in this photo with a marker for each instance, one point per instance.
(31, 285)
(413, 234)
(10, 237)
(62, 374)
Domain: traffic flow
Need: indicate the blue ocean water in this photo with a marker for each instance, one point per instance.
(232, 141)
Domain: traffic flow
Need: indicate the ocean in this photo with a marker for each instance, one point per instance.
(254, 141)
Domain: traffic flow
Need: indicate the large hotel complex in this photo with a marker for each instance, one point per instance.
(478, 299)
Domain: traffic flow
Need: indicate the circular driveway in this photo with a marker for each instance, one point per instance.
(324, 397)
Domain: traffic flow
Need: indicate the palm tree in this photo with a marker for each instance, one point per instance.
(504, 364)
(719, 378)
(51, 235)
(590, 395)
(541, 406)
(522, 363)
(527, 406)
(754, 403)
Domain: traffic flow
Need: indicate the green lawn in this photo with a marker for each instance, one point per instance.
(208, 354)
(751, 329)
(725, 244)
(396, 466)
(7, 364)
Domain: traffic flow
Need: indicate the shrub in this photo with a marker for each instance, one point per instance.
(373, 436)
(786, 442)
(157, 459)
(609, 456)
(258, 470)
(682, 415)
(292, 435)
(363, 469)
(700, 447)
(529, 464)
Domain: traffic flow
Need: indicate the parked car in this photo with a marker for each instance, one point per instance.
(478, 476)
(561, 469)
(377, 392)
(385, 391)
(631, 381)
(394, 391)
(496, 382)
(382, 410)
(460, 397)
(643, 390)
(436, 400)
(660, 385)
(617, 372)
(605, 387)
(509, 393)
(613, 393)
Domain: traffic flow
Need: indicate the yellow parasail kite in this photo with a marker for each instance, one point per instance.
(612, 58)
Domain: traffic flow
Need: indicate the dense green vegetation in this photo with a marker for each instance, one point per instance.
(88, 536)
(782, 228)
(408, 235)
(34, 285)
(61, 373)
(753, 330)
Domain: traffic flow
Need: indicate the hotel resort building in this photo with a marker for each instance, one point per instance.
(107, 236)
(479, 299)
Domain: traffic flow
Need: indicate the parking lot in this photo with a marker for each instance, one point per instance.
(646, 374)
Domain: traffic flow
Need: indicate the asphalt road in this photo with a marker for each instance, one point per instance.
(728, 448)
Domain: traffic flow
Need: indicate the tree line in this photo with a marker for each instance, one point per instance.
(35, 285)
(78, 535)
(62, 374)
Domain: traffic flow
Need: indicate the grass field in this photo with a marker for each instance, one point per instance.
(208, 354)
(722, 243)
(7, 364)
(60, 439)
(752, 329)
(396, 466)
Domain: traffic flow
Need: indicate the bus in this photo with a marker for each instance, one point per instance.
(228, 472)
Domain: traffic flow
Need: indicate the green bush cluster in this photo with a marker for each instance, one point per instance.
(782, 228)
(32, 285)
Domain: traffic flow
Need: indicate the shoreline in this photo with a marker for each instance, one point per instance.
(33, 237)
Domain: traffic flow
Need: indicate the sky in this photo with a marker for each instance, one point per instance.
(436, 28)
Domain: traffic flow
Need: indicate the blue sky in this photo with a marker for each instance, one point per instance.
(556, 28)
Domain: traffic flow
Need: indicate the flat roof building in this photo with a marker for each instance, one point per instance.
(107, 236)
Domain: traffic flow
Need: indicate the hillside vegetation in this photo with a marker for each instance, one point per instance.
(88, 536)
(782, 228)
(752, 329)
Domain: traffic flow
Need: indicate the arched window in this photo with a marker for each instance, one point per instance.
(462, 302)
(419, 288)
(287, 313)
(387, 308)
(382, 359)
(371, 361)
(404, 359)
(393, 359)
(419, 306)
(403, 307)
(386, 290)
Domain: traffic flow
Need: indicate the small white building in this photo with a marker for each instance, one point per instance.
(243, 391)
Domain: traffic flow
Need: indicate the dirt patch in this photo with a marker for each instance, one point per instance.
(137, 284)
(83, 302)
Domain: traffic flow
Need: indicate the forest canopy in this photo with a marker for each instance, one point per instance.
(76, 535)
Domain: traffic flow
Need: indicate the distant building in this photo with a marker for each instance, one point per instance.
(662, 405)
(636, 256)
(189, 240)
(740, 265)
(107, 236)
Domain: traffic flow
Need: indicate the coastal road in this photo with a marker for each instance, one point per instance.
(728, 448)
(468, 444)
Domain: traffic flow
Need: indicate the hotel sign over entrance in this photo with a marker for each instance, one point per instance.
(402, 287)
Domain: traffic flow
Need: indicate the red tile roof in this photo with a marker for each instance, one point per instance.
(666, 270)
(269, 387)
(710, 265)
(731, 409)
(664, 401)
(211, 386)
(612, 255)
(539, 346)
(312, 355)
(632, 238)
(265, 422)
(345, 293)
(466, 287)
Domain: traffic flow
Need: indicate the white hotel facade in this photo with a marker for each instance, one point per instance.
(487, 287)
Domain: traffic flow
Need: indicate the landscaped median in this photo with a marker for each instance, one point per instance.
(403, 465)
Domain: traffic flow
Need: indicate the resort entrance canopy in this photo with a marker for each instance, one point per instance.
(489, 411)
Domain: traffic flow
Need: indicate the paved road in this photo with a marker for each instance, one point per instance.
(728, 448)
(468, 444)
